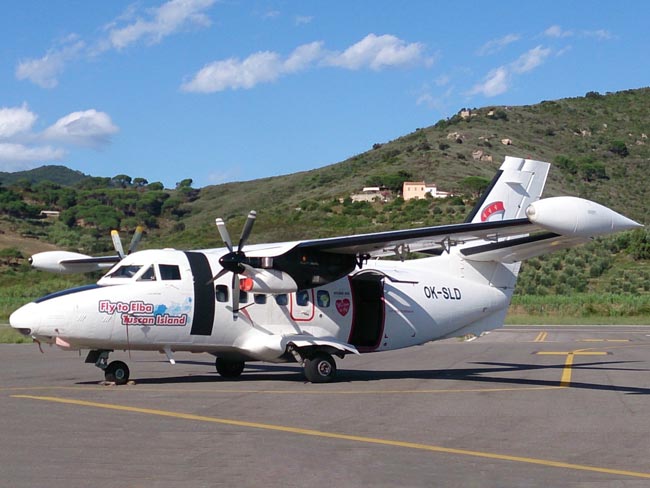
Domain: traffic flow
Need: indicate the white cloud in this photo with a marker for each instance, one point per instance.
(157, 23)
(87, 128)
(233, 73)
(557, 32)
(495, 45)
(374, 52)
(161, 22)
(496, 82)
(304, 56)
(15, 121)
(600, 34)
(499, 80)
(531, 59)
(379, 52)
(22, 148)
(303, 19)
(44, 71)
(16, 157)
(260, 67)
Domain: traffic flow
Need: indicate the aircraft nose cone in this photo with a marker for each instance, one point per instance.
(24, 319)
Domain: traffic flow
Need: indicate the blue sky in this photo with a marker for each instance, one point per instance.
(232, 90)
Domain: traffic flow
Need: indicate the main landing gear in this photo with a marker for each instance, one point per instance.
(318, 366)
(114, 372)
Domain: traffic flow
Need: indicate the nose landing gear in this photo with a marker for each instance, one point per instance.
(114, 372)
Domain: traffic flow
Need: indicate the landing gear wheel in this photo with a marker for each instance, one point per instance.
(229, 369)
(320, 368)
(117, 372)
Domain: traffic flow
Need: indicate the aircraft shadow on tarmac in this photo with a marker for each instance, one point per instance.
(486, 374)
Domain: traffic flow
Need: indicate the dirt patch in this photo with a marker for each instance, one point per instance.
(27, 246)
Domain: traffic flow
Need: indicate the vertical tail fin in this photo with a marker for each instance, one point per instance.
(518, 183)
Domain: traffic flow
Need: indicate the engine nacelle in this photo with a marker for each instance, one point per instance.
(269, 281)
(55, 262)
(572, 216)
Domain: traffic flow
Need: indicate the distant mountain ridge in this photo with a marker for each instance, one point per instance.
(58, 174)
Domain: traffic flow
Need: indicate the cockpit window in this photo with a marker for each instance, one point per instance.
(148, 275)
(127, 271)
(169, 272)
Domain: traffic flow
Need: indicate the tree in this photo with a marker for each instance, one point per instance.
(474, 185)
(186, 183)
(140, 182)
(155, 186)
(122, 181)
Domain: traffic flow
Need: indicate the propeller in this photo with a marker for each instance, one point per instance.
(133, 246)
(234, 262)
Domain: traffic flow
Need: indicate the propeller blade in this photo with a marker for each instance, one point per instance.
(235, 295)
(135, 241)
(248, 227)
(217, 276)
(223, 232)
(117, 243)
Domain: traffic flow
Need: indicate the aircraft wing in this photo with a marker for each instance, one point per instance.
(420, 239)
(550, 224)
(66, 262)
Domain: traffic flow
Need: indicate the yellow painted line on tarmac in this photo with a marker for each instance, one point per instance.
(541, 337)
(604, 340)
(127, 389)
(565, 381)
(344, 437)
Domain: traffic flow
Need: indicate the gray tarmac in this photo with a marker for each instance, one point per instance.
(520, 407)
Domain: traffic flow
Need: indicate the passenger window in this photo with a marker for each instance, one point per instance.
(243, 296)
(221, 293)
(302, 298)
(148, 275)
(169, 272)
(259, 298)
(282, 300)
(323, 298)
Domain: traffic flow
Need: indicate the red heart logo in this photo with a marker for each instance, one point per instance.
(343, 306)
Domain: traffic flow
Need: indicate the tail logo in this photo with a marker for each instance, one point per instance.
(493, 211)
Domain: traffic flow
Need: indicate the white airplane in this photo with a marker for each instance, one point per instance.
(307, 301)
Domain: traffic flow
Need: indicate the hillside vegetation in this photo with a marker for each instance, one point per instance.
(598, 145)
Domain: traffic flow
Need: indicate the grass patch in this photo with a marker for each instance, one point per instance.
(10, 336)
(581, 308)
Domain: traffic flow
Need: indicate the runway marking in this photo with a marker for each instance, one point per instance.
(275, 392)
(565, 381)
(604, 340)
(541, 337)
(345, 437)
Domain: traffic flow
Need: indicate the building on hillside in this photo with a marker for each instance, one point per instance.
(419, 189)
(371, 194)
(50, 213)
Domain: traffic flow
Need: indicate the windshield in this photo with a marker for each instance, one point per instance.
(128, 271)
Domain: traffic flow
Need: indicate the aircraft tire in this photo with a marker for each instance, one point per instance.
(229, 369)
(320, 368)
(117, 372)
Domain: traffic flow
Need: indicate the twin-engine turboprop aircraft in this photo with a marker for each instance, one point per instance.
(307, 301)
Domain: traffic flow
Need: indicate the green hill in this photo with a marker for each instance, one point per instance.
(598, 145)
(53, 173)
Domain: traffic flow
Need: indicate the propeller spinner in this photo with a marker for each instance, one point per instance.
(234, 262)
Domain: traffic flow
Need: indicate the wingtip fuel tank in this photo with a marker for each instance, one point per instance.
(573, 216)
